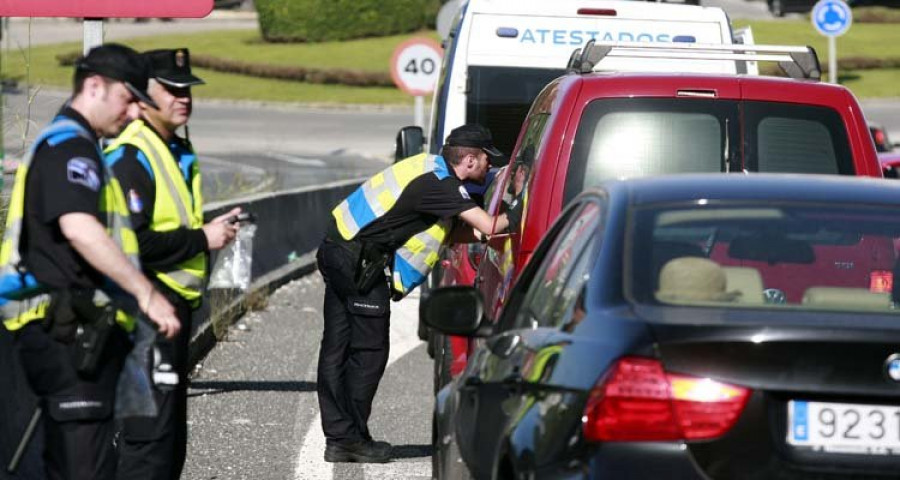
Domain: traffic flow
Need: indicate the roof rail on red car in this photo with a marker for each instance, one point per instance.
(796, 61)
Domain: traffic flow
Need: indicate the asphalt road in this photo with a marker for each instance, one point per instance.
(253, 412)
(21, 32)
(247, 148)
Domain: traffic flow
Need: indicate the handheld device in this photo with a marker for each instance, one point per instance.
(243, 217)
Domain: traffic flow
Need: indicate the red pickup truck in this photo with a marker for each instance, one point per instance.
(584, 128)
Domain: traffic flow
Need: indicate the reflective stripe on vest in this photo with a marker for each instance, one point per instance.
(418, 256)
(175, 206)
(376, 196)
(23, 300)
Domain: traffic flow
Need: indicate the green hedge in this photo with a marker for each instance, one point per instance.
(330, 20)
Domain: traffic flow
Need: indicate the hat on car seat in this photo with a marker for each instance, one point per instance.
(693, 279)
(473, 135)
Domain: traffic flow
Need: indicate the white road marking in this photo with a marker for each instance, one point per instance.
(404, 470)
(310, 462)
(301, 161)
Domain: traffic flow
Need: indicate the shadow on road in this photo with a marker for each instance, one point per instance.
(200, 388)
(410, 451)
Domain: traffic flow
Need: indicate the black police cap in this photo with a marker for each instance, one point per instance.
(118, 62)
(473, 135)
(172, 67)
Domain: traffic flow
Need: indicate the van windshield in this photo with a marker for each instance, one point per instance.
(499, 99)
(636, 137)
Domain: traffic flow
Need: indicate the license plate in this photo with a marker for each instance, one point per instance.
(844, 427)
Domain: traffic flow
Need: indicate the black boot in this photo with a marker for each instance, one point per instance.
(362, 452)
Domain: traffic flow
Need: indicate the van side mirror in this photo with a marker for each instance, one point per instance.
(456, 310)
(410, 141)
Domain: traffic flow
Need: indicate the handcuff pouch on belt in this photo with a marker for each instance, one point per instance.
(370, 267)
(74, 318)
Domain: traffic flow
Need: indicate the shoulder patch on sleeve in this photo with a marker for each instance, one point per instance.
(464, 192)
(83, 171)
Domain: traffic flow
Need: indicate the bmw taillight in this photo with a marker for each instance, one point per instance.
(881, 281)
(639, 401)
(475, 252)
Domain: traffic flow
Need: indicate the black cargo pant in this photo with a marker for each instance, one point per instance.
(154, 448)
(78, 411)
(354, 349)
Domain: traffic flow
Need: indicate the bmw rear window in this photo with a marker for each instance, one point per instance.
(765, 255)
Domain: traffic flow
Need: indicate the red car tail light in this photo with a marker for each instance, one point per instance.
(879, 136)
(881, 281)
(639, 401)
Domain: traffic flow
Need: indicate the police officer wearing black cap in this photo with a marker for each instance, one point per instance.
(159, 174)
(382, 243)
(69, 264)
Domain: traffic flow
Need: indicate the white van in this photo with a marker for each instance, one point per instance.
(500, 53)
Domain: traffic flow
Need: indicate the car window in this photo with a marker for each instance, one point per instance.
(758, 255)
(637, 137)
(499, 98)
(554, 291)
(787, 138)
(518, 174)
(637, 144)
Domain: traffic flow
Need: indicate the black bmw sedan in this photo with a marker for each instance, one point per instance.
(695, 326)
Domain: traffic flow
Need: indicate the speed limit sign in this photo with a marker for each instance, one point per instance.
(415, 66)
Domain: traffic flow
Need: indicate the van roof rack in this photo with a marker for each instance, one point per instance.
(796, 61)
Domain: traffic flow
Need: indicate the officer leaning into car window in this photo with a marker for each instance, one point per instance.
(159, 174)
(397, 220)
(67, 254)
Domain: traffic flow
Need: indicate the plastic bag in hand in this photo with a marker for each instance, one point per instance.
(232, 269)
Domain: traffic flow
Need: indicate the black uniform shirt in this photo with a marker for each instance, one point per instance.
(158, 249)
(423, 202)
(64, 177)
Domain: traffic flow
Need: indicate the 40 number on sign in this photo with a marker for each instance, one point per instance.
(414, 66)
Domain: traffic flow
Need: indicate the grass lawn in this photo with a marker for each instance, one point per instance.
(368, 54)
(873, 40)
(877, 40)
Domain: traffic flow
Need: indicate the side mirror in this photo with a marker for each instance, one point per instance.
(456, 310)
(410, 141)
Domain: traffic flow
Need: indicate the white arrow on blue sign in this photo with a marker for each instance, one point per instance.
(831, 18)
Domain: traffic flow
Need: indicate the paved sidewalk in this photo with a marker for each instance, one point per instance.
(253, 412)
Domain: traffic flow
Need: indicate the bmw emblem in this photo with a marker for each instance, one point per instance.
(892, 367)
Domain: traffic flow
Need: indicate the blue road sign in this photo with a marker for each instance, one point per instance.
(831, 18)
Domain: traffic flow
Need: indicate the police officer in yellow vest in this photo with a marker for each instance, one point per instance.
(67, 237)
(159, 174)
(397, 219)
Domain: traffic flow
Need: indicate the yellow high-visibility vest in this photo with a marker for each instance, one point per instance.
(376, 196)
(175, 206)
